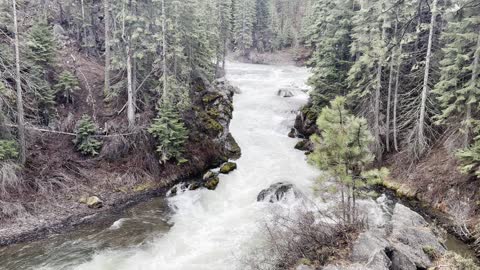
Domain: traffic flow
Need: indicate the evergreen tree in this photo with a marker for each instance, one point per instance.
(342, 151)
(170, 132)
(67, 85)
(85, 141)
(329, 35)
(244, 18)
(458, 89)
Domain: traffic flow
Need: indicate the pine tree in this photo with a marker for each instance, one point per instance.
(244, 18)
(170, 133)
(67, 85)
(85, 141)
(342, 151)
(329, 35)
(458, 89)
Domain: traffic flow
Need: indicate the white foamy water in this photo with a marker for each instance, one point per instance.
(214, 229)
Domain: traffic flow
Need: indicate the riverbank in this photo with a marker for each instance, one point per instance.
(121, 182)
(434, 185)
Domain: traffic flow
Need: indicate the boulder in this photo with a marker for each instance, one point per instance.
(379, 261)
(94, 202)
(228, 167)
(277, 192)
(304, 145)
(406, 243)
(212, 183)
(209, 175)
(292, 133)
(285, 93)
(368, 243)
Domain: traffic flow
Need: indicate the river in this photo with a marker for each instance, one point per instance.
(201, 229)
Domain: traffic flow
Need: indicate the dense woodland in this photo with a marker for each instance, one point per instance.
(409, 67)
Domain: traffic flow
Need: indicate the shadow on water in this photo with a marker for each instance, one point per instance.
(133, 227)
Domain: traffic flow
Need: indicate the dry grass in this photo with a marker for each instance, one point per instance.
(308, 237)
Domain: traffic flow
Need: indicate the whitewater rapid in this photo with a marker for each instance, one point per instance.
(214, 230)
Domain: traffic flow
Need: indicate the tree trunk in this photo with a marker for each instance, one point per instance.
(20, 114)
(475, 71)
(84, 28)
(107, 46)
(395, 98)
(130, 104)
(378, 143)
(421, 137)
(164, 51)
(389, 95)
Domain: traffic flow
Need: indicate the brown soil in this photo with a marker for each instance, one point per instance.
(436, 180)
(127, 169)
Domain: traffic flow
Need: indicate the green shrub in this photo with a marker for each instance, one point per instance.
(67, 85)
(8, 149)
(41, 44)
(470, 159)
(85, 141)
(170, 133)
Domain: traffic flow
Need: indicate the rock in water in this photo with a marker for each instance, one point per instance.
(277, 192)
(211, 180)
(94, 202)
(285, 93)
(228, 167)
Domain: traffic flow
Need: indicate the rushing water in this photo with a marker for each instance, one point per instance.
(202, 229)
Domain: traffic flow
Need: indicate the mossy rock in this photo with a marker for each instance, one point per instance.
(210, 97)
(212, 183)
(234, 150)
(143, 187)
(94, 202)
(228, 167)
(209, 123)
(213, 112)
(194, 186)
(304, 145)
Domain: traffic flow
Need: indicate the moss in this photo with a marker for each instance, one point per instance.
(143, 187)
(431, 252)
(210, 97)
(209, 123)
(228, 167)
(213, 112)
(304, 261)
(212, 183)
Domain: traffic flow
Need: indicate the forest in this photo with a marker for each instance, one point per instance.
(105, 101)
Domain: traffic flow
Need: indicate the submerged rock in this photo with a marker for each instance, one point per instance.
(277, 192)
(292, 133)
(285, 93)
(228, 167)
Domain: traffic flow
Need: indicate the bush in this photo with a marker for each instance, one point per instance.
(470, 159)
(304, 237)
(170, 133)
(67, 85)
(8, 149)
(84, 140)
